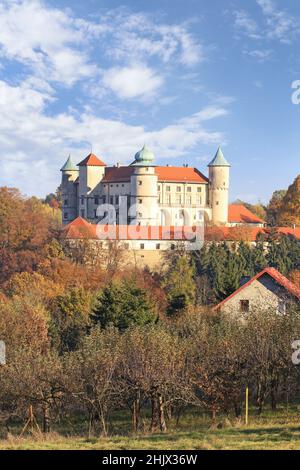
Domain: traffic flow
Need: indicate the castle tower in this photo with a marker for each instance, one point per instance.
(143, 189)
(69, 191)
(219, 188)
(91, 172)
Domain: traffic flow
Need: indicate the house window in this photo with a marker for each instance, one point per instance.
(142, 246)
(158, 246)
(281, 310)
(168, 188)
(189, 189)
(244, 306)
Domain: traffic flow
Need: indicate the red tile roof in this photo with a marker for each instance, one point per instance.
(92, 160)
(272, 272)
(237, 213)
(245, 232)
(178, 174)
(164, 173)
(81, 229)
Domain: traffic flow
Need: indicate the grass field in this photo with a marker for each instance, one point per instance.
(280, 430)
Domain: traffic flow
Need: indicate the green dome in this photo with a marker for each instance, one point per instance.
(144, 157)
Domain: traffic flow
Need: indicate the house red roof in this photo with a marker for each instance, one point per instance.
(164, 173)
(92, 160)
(272, 272)
(237, 213)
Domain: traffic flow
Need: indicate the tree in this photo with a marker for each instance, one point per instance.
(122, 305)
(90, 375)
(274, 207)
(70, 318)
(179, 284)
(289, 211)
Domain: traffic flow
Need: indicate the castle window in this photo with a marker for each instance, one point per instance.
(104, 199)
(158, 246)
(199, 201)
(142, 246)
(168, 198)
(189, 189)
(189, 200)
(82, 213)
(158, 187)
(111, 199)
(199, 189)
(217, 203)
(172, 246)
(122, 185)
(66, 215)
(244, 306)
(147, 169)
(95, 213)
(178, 189)
(140, 214)
(178, 199)
(117, 199)
(82, 200)
(97, 200)
(111, 185)
(168, 188)
(66, 202)
(140, 201)
(140, 183)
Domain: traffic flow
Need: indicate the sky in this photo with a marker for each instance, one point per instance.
(181, 76)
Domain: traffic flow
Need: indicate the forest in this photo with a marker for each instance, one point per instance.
(91, 341)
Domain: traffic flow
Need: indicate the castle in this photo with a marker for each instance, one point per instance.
(145, 194)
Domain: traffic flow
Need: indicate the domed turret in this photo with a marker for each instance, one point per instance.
(144, 196)
(143, 157)
(219, 188)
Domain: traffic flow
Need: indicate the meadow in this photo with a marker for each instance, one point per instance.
(270, 431)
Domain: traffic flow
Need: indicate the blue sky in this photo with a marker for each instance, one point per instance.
(181, 76)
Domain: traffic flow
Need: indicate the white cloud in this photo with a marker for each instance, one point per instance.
(132, 82)
(34, 144)
(262, 55)
(245, 24)
(46, 39)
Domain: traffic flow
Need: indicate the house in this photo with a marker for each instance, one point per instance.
(239, 215)
(268, 289)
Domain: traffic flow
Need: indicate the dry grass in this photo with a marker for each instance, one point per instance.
(271, 431)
